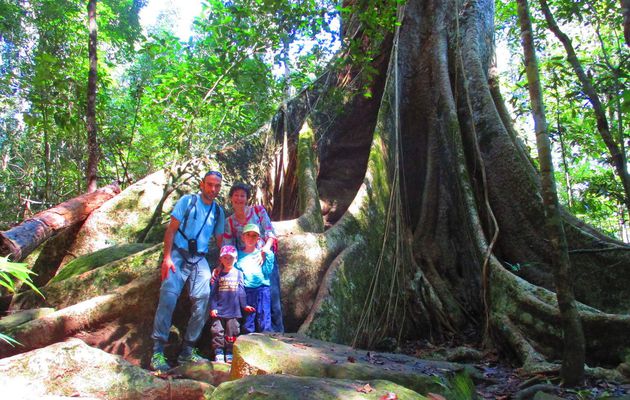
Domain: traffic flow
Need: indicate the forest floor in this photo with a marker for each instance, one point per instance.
(502, 381)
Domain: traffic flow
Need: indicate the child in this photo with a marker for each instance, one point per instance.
(226, 301)
(256, 270)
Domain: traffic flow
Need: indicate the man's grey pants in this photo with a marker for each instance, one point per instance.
(197, 275)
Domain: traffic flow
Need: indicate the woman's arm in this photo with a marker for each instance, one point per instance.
(265, 223)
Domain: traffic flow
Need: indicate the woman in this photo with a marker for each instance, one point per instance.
(244, 214)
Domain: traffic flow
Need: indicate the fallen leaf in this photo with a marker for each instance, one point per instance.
(365, 389)
(301, 345)
(352, 359)
(433, 396)
(388, 396)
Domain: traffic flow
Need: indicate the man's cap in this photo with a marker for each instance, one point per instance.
(215, 173)
(251, 228)
(229, 250)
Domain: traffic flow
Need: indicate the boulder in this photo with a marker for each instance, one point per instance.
(287, 387)
(213, 373)
(139, 212)
(75, 369)
(261, 354)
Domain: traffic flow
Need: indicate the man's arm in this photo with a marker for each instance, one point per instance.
(169, 237)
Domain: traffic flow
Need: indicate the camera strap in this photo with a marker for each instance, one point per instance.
(192, 204)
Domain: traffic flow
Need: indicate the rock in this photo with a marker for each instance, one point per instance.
(259, 354)
(456, 354)
(287, 387)
(546, 396)
(212, 373)
(126, 217)
(18, 318)
(75, 369)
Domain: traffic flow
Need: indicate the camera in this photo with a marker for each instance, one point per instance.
(192, 246)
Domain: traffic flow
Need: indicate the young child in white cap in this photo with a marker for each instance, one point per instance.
(227, 299)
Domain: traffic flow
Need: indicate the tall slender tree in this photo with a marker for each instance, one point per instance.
(93, 148)
(573, 355)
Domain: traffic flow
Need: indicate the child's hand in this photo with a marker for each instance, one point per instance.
(250, 309)
(214, 313)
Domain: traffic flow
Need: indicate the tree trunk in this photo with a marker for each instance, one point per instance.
(21, 240)
(429, 197)
(573, 354)
(93, 148)
(625, 11)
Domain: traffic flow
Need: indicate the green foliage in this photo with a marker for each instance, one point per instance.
(459, 387)
(587, 186)
(42, 131)
(10, 274)
(159, 99)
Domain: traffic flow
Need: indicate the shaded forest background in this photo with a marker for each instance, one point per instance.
(162, 99)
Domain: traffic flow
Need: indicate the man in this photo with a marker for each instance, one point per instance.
(194, 220)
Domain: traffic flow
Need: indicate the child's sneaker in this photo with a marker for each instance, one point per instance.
(218, 356)
(158, 363)
(228, 358)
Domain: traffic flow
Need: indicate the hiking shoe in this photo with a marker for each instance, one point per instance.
(218, 356)
(158, 363)
(193, 357)
(228, 358)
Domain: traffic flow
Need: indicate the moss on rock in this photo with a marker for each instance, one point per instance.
(281, 387)
(92, 283)
(259, 354)
(97, 259)
(73, 368)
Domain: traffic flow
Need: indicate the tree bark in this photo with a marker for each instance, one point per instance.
(21, 240)
(93, 148)
(573, 355)
(625, 11)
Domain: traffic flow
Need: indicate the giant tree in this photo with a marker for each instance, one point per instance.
(434, 208)
(418, 213)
